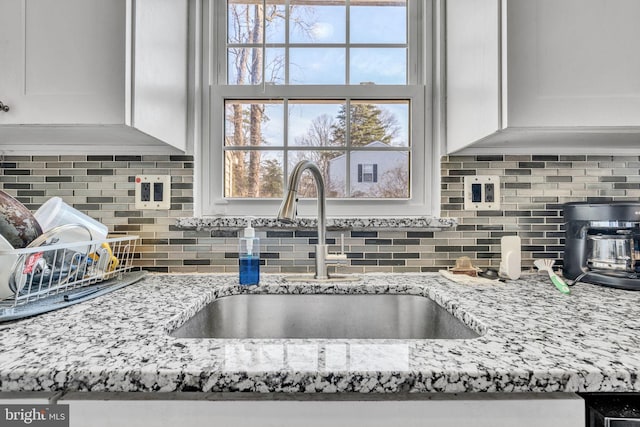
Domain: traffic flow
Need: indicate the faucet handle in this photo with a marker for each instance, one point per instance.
(340, 258)
(336, 258)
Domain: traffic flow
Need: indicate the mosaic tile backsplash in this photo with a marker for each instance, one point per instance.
(533, 190)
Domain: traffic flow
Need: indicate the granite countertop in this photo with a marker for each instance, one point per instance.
(534, 339)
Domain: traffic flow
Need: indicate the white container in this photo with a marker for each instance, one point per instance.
(55, 212)
(511, 264)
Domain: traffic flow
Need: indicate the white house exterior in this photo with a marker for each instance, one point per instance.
(369, 170)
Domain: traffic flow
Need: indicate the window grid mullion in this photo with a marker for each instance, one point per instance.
(310, 148)
(285, 155)
(347, 137)
(220, 41)
(347, 48)
(263, 66)
(317, 45)
(287, 29)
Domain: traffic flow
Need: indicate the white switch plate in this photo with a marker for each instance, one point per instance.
(487, 200)
(153, 192)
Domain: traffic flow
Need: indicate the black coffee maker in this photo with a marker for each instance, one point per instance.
(602, 244)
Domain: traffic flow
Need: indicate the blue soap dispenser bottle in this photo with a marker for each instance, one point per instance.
(249, 256)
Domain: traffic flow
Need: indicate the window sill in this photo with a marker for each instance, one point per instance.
(234, 223)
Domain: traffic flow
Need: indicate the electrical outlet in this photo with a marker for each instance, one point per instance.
(145, 191)
(489, 193)
(482, 193)
(153, 192)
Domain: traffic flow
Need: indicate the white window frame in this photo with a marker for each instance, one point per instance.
(424, 153)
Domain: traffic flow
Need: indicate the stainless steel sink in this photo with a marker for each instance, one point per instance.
(375, 316)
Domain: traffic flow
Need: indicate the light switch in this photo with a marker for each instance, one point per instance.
(476, 193)
(158, 192)
(153, 192)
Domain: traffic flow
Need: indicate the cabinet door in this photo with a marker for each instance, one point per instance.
(483, 412)
(573, 63)
(62, 61)
(160, 57)
(473, 71)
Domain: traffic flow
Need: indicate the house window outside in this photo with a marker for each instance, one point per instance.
(334, 82)
(367, 173)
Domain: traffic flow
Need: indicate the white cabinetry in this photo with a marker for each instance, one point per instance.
(160, 66)
(543, 75)
(62, 61)
(442, 411)
(25, 398)
(94, 76)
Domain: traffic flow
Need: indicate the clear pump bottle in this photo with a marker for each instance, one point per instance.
(249, 256)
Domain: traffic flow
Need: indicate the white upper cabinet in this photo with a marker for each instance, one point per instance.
(573, 63)
(94, 75)
(160, 47)
(62, 61)
(543, 75)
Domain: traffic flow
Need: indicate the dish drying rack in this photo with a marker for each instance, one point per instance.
(54, 276)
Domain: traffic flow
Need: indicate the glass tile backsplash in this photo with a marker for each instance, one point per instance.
(533, 190)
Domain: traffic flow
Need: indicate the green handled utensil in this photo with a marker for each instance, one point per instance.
(547, 265)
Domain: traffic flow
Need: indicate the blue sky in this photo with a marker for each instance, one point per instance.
(326, 25)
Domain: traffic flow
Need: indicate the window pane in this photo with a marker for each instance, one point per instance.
(380, 174)
(253, 173)
(380, 123)
(315, 123)
(317, 66)
(317, 23)
(378, 65)
(244, 66)
(274, 66)
(244, 22)
(275, 19)
(332, 165)
(257, 124)
(379, 24)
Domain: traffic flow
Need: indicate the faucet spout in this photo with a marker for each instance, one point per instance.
(288, 211)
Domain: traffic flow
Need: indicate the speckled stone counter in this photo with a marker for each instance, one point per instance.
(534, 339)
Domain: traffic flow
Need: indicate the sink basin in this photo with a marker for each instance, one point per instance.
(366, 316)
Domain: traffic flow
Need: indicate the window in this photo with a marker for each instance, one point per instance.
(337, 82)
(367, 173)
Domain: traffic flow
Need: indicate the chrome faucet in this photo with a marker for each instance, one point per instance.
(288, 212)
